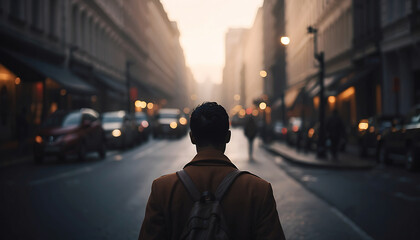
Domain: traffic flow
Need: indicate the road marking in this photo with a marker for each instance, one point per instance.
(62, 175)
(309, 178)
(278, 160)
(149, 150)
(347, 220)
(406, 197)
(404, 179)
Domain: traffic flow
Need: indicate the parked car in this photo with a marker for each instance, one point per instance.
(168, 123)
(120, 129)
(402, 141)
(311, 137)
(65, 133)
(143, 126)
(370, 131)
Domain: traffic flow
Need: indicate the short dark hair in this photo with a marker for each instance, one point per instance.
(209, 124)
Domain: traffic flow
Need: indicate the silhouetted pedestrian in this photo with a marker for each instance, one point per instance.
(176, 202)
(21, 130)
(335, 130)
(250, 130)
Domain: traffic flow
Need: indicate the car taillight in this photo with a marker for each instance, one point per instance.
(284, 131)
(145, 124)
(38, 139)
(311, 132)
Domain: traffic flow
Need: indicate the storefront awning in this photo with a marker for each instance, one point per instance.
(313, 87)
(59, 74)
(290, 96)
(114, 84)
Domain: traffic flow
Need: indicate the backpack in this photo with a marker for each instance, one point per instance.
(206, 220)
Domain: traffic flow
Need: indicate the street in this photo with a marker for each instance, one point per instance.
(106, 199)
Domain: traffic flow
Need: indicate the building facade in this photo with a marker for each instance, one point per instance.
(59, 54)
(233, 71)
(253, 62)
(400, 47)
(333, 21)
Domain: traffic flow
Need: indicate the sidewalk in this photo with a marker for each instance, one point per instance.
(346, 160)
(10, 155)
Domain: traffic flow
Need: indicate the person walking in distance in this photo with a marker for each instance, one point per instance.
(250, 131)
(335, 132)
(237, 206)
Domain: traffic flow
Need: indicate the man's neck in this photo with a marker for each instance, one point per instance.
(221, 148)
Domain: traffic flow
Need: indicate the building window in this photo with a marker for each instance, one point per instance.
(83, 30)
(17, 10)
(53, 18)
(74, 25)
(390, 8)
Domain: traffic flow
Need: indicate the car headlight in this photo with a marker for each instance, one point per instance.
(116, 132)
(173, 125)
(183, 121)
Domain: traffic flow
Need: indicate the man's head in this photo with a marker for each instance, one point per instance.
(209, 125)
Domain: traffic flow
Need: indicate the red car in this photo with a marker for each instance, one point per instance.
(65, 133)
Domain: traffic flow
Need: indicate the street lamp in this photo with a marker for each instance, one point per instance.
(321, 151)
(263, 73)
(284, 40)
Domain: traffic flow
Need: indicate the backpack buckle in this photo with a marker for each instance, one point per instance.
(207, 196)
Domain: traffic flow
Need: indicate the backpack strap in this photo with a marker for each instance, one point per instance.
(189, 185)
(226, 182)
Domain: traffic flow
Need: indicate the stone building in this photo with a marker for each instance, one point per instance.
(400, 47)
(60, 54)
(334, 23)
(233, 91)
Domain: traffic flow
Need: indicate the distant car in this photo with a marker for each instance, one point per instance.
(65, 133)
(293, 130)
(402, 141)
(184, 123)
(370, 131)
(168, 123)
(143, 125)
(237, 121)
(120, 129)
(279, 130)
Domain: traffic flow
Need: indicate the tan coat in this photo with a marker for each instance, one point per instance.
(249, 205)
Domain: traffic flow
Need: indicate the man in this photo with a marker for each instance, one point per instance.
(250, 131)
(335, 133)
(248, 206)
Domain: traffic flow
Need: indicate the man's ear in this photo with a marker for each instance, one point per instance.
(193, 141)
(228, 135)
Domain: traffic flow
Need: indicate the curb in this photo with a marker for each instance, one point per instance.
(327, 165)
(14, 161)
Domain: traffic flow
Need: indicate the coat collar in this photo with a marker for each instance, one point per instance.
(210, 157)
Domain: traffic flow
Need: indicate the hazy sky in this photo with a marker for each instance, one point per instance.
(203, 25)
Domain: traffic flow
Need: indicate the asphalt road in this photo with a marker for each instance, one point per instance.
(105, 199)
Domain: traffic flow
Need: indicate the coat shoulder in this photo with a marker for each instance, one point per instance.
(166, 179)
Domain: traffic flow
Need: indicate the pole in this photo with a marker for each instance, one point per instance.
(321, 153)
(128, 86)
